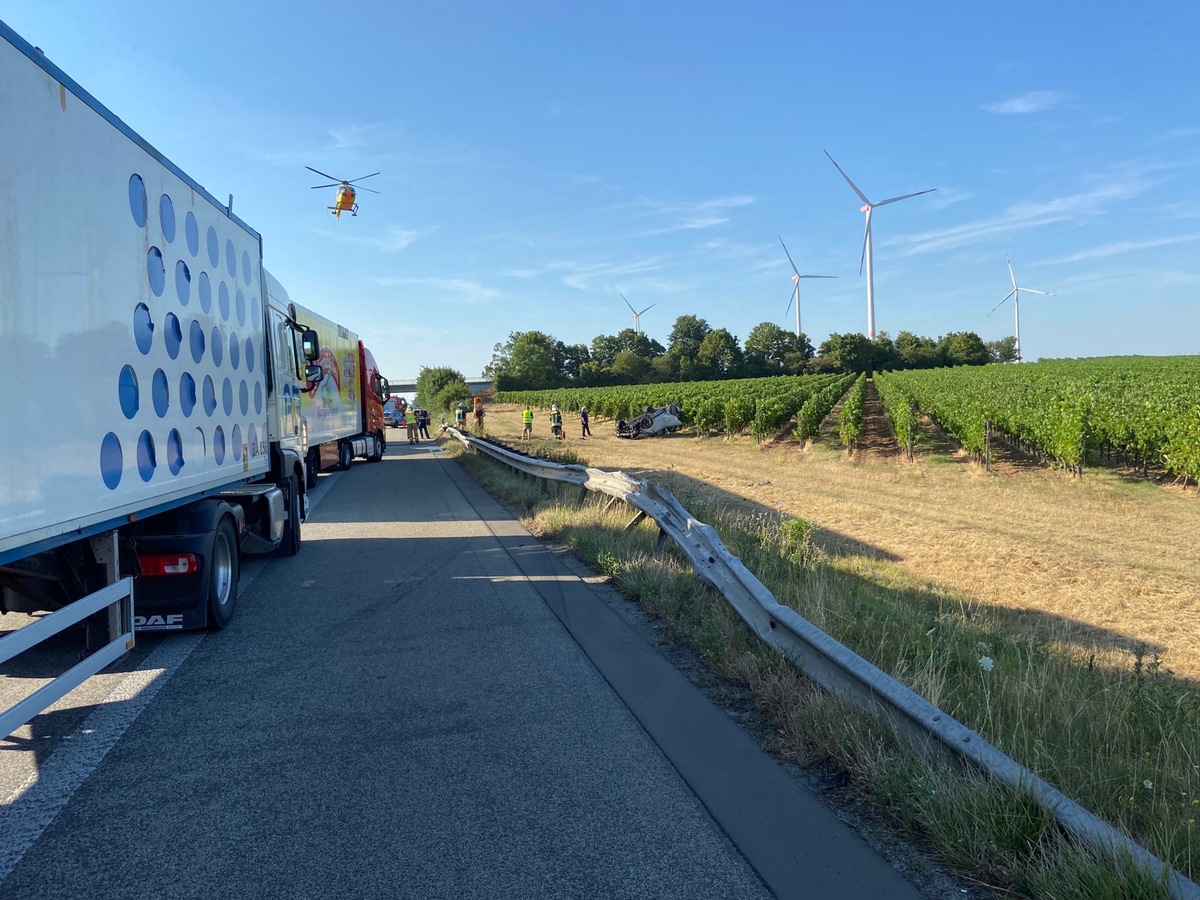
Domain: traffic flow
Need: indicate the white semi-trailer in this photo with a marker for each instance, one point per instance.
(151, 409)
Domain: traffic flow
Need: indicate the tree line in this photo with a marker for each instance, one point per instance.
(534, 360)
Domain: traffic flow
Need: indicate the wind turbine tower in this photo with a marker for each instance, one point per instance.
(868, 207)
(1015, 293)
(637, 316)
(795, 295)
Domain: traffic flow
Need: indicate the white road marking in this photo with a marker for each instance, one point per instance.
(32, 807)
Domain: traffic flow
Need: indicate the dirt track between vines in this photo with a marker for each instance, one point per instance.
(1109, 561)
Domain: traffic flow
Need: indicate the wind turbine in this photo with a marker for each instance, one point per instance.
(1015, 293)
(795, 295)
(636, 315)
(867, 208)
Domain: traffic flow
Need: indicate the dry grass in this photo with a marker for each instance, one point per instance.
(1099, 564)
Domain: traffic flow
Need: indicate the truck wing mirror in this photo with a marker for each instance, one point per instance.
(311, 344)
(312, 374)
(382, 389)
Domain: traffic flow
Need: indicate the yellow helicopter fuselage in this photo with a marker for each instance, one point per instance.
(344, 202)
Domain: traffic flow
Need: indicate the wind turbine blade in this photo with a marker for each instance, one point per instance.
(1032, 291)
(791, 297)
(817, 276)
(866, 237)
(627, 303)
(1010, 273)
(1002, 302)
(905, 197)
(861, 195)
(651, 306)
(789, 256)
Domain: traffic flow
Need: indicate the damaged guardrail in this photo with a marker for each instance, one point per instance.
(830, 664)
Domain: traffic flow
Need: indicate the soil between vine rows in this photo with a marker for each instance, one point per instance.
(1107, 561)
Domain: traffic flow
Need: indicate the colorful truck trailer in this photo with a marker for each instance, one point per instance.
(343, 409)
(152, 415)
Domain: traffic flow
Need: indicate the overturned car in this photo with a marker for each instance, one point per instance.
(651, 423)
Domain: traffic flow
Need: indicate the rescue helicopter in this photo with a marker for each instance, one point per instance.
(345, 194)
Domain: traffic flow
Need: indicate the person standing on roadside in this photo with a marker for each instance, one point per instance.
(411, 424)
(460, 416)
(584, 430)
(423, 423)
(527, 423)
(556, 422)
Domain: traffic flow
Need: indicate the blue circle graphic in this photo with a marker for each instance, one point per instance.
(230, 259)
(187, 393)
(258, 398)
(172, 335)
(235, 351)
(137, 206)
(174, 452)
(246, 266)
(127, 391)
(156, 269)
(143, 328)
(183, 282)
(192, 231)
(244, 397)
(166, 212)
(161, 392)
(219, 445)
(112, 462)
(241, 308)
(196, 340)
(146, 460)
(237, 441)
(223, 300)
(227, 397)
(214, 247)
(252, 439)
(218, 348)
(205, 292)
(249, 355)
(210, 396)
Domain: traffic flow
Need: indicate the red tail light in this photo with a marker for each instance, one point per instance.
(170, 564)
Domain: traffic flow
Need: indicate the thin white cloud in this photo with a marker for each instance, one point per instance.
(391, 240)
(1025, 215)
(1031, 102)
(584, 276)
(685, 215)
(948, 196)
(1120, 247)
(455, 290)
(349, 136)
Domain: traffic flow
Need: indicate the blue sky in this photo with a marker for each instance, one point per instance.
(538, 158)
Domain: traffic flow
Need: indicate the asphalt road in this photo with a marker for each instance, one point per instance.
(426, 702)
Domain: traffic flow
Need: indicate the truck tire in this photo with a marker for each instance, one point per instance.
(223, 573)
(375, 453)
(311, 464)
(290, 544)
(345, 455)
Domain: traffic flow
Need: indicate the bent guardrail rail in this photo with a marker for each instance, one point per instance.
(833, 666)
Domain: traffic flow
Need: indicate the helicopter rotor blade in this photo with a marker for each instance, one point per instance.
(361, 177)
(323, 174)
(368, 190)
(319, 186)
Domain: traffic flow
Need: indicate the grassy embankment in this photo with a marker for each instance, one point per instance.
(1123, 739)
